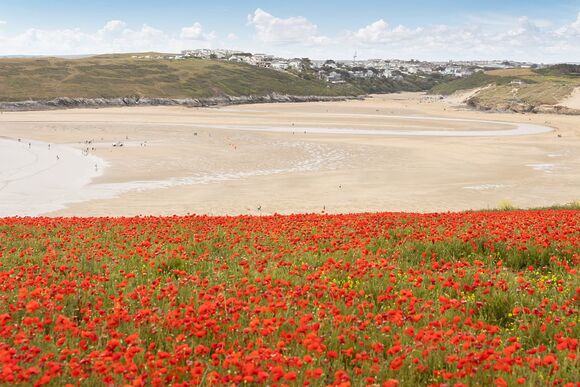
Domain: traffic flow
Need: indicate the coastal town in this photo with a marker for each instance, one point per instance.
(339, 71)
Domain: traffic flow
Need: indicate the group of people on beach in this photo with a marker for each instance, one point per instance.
(30, 147)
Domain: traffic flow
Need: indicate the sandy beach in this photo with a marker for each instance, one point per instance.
(401, 152)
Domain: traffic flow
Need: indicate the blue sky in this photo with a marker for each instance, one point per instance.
(446, 29)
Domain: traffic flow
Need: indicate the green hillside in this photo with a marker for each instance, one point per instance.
(476, 80)
(111, 76)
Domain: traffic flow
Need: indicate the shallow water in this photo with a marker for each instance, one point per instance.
(519, 130)
(33, 181)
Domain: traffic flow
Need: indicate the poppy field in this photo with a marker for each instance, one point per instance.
(387, 299)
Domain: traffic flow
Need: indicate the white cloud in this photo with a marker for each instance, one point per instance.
(524, 29)
(478, 37)
(2, 22)
(501, 37)
(114, 36)
(292, 30)
(113, 26)
(379, 32)
(570, 30)
(195, 32)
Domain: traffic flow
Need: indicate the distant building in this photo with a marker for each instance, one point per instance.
(280, 65)
(241, 58)
(334, 77)
(295, 64)
(363, 73)
(262, 60)
(365, 69)
(206, 53)
(457, 71)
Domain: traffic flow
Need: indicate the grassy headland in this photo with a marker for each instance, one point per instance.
(114, 76)
(516, 89)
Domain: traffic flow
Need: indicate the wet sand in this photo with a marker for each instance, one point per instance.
(37, 177)
(399, 152)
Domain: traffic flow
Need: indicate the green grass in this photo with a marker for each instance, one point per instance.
(507, 205)
(547, 92)
(113, 76)
(472, 82)
(569, 70)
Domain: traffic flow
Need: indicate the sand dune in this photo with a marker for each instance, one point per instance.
(460, 97)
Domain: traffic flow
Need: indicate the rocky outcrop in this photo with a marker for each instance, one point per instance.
(519, 107)
(556, 109)
(71, 103)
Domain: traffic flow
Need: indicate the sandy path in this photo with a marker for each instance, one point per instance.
(197, 163)
(460, 97)
(573, 101)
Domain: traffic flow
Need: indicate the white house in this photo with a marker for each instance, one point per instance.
(262, 60)
(334, 77)
(295, 64)
(387, 73)
(363, 74)
(241, 58)
(280, 65)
